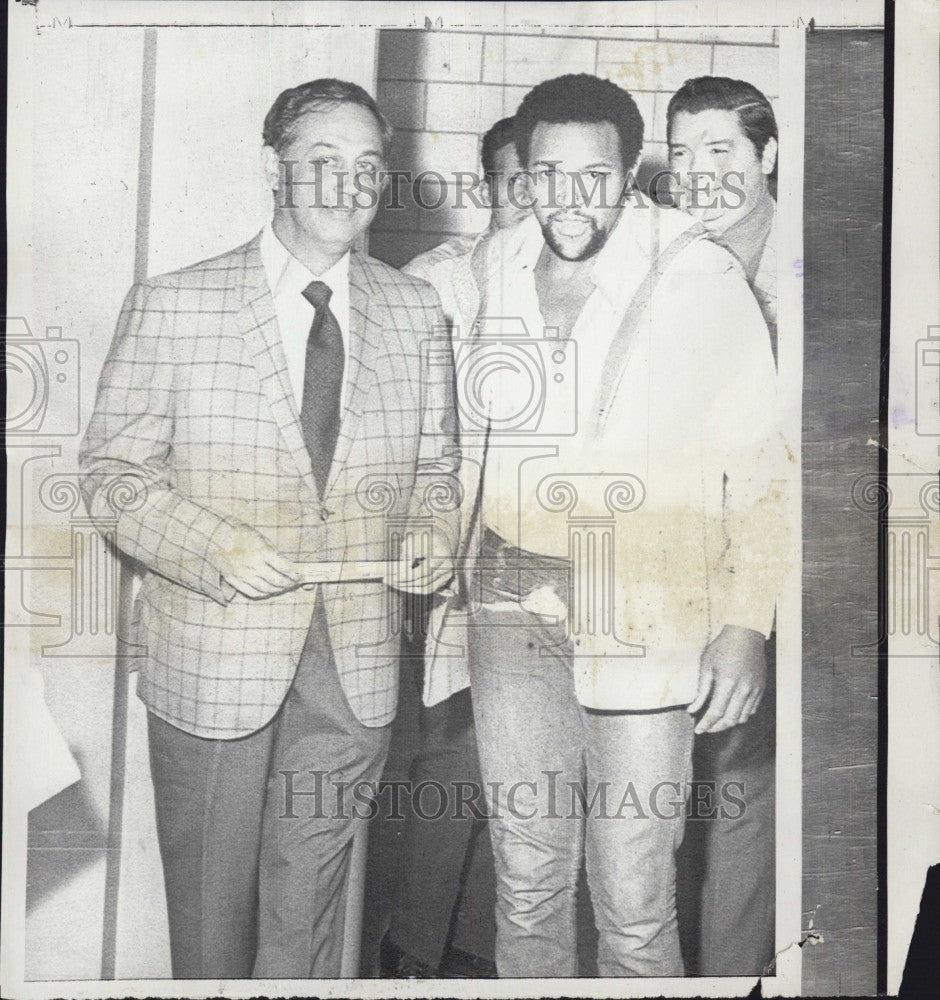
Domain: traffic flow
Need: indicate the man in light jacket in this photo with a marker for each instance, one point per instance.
(622, 534)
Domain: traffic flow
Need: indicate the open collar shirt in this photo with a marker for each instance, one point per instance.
(557, 436)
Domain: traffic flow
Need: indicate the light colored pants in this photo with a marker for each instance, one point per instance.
(538, 748)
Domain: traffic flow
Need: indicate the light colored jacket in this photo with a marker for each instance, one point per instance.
(690, 425)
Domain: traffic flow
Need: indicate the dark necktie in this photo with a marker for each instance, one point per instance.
(323, 383)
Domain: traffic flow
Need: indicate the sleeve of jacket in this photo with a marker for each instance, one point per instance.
(126, 456)
(748, 450)
(437, 487)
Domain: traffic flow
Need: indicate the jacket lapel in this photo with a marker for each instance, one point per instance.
(467, 277)
(368, 319)
(656, 255)
(258, 322)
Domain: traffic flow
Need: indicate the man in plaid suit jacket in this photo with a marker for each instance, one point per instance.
(267, 693)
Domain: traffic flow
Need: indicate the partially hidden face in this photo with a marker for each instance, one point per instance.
(508, 204)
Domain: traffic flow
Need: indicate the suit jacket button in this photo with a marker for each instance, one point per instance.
(324, 513)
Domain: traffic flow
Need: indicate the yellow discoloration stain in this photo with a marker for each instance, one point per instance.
(673, 568)
(645, 68)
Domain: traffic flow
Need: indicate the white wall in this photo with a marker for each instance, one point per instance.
(72, 204)
(214, 87)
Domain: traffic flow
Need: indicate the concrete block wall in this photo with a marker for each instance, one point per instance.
(443, 89)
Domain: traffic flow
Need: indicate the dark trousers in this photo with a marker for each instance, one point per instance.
(449, 858)
(736, 853)
(255, 865)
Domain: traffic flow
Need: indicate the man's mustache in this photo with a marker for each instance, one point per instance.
(566, 215)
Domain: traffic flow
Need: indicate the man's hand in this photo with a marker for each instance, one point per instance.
(254, 567)
(418, 571)
(734, 672)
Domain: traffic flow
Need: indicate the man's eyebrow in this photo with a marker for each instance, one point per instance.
(704, 142)
(332, 145)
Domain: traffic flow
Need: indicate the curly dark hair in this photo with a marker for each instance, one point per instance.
(580, 97)
(292, 104)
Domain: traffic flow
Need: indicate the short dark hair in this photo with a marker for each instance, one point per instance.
(706, 93)
(580, 97)
(500, 135)
(292, 104)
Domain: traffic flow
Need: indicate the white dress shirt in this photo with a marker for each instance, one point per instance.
(287, 279)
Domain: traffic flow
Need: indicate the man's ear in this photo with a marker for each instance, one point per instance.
(271, 164)
(486, 195)
(525, 182)
(768, 159)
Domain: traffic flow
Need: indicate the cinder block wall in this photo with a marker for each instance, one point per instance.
(443, 89)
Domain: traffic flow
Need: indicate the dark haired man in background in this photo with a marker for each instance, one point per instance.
(252, 396)
(449, 861)
(501, 176)
(674, 379)
(718, 127)
(721, 128)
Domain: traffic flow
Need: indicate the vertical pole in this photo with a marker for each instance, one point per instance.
(126, 574)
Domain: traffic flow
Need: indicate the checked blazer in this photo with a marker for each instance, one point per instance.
(195, 431)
